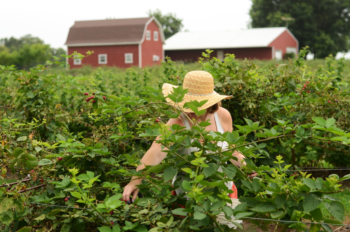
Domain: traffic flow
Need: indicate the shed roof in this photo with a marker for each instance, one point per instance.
(239, 38)
(109, 32)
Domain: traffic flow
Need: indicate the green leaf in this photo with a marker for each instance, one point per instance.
(156, 168)
(66, 227)
(139, 228)
(169, 173)
(186, 185)
(6, 218)
(280, 200)
(346, 177)
(22, 138)
(278, 214)
(40, 218)
(76, 194)
(18, 151)
(247, 184)
(317, 214)
(315, 228)
(29, 160)
(116, 228)
(330, 122)
(240, 208)
(25, 229)
(230, 171)
(105, 229)
(243, 215)
(319, 183)
(228, 211)
(264, 208)
(216, 205)
(311, 202)
(319, 121)
(326, 228)
(210, 170)
(44, 162)
(309, 183)
(336, 209)
(179, 211)
(199, 215)
(256, 185)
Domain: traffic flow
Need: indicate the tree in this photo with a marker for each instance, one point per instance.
(171, 25)
(323, 25)
(27, 52)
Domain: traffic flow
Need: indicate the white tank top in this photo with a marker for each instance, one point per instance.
(223, 145)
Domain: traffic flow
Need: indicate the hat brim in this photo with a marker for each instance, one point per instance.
(212, 99)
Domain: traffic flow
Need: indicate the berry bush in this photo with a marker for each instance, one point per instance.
(69, 144)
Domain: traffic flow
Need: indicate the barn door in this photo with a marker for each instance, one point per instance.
(278, 55)
(220, 55)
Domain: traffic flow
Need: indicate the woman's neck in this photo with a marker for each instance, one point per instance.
(200, 118)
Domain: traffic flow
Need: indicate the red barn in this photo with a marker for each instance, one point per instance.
(256, 43)
(117, 42)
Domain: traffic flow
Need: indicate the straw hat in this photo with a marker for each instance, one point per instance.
(200, 87)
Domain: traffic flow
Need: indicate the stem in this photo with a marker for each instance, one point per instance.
(35, 187)
(153, 184)
(86, 201)
(10, 184)
(216, 223)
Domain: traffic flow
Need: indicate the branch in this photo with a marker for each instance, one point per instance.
(35, 187)
(10, 184)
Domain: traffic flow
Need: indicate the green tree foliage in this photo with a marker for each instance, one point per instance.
(171, 24)
(27, 52)
(323, 25)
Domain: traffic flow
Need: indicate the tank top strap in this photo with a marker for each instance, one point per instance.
(185, 120)
(218, 123)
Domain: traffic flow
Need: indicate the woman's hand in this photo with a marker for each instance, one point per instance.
(131, 189)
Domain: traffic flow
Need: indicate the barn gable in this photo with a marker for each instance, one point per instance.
(120, 42)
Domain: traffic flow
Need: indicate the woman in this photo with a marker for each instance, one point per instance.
(200, 86)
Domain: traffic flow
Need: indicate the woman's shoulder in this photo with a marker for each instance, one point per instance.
(177, 121)
(223, 114)
(225, 118)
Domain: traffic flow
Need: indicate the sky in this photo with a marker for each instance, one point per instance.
(51, 20)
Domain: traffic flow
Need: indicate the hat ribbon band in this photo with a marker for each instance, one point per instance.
(201, 95)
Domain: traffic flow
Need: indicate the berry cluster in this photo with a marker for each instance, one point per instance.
(92, 97)
(305, 87)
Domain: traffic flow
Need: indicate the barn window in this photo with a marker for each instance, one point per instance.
(291, 50)
(128, 58)
(102, 58)
(148, 35)
(76, 61)
(155, 58)
(155, 35)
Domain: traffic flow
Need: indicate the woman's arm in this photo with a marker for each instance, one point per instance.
(153, 156)
(226, 122)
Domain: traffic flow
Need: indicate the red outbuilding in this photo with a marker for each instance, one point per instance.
(117, 42)
(256, 43)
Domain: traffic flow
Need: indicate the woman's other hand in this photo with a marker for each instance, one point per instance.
(131, 190)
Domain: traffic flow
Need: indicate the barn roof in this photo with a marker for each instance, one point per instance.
(239, 38)
(109, 32)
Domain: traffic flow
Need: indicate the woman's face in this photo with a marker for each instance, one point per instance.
(191, 115)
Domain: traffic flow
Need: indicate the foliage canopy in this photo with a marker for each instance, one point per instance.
(171, 24)
(323, 25)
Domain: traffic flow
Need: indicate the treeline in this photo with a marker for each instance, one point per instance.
(27, 52)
